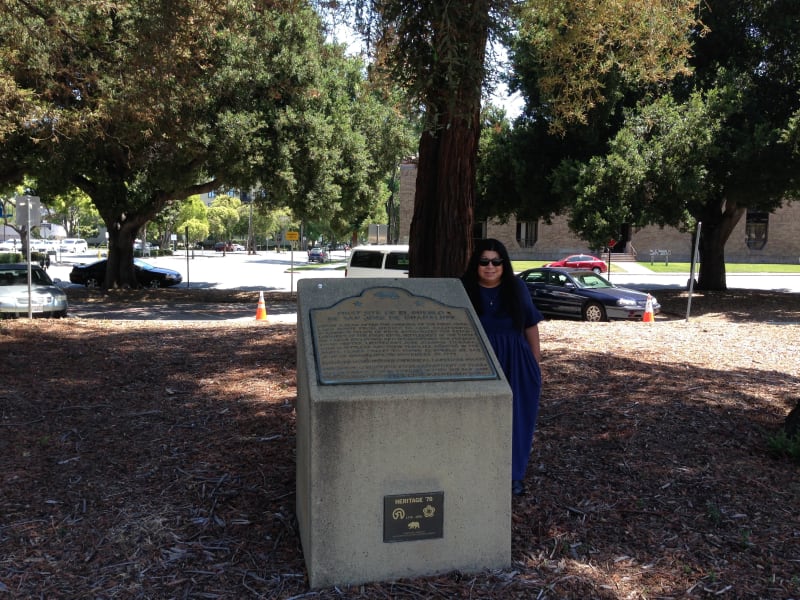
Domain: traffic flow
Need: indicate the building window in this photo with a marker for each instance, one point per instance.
(527, 232)
(212, 194)
(479, 230)
(756, 229)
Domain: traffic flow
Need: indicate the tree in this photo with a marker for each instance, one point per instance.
(223, 215)
(74, 210)
(712, 146)
(192, 216)
(437, 50)
(355, 136)
(141, 103)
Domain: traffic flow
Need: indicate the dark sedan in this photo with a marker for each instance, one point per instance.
(93, 274)
(584, 295)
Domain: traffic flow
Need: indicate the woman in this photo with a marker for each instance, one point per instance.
(510, 320)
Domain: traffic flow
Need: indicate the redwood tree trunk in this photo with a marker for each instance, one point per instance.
(441, 228)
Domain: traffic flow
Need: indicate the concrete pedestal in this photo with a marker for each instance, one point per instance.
(407, 473)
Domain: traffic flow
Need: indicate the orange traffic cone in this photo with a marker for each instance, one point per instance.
(648, 316)
(261, 311)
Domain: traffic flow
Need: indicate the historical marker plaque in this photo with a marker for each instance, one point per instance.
(388, 335)
(411, 517)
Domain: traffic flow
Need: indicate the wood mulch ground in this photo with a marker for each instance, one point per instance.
(155, 459)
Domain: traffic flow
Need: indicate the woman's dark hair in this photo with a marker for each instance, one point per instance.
(509, 296)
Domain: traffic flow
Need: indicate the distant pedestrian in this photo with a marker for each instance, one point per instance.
(510, 321)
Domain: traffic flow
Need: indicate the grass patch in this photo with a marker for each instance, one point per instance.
(677, 267)
(685, 267)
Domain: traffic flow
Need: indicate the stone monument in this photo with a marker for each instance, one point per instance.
(403, 432)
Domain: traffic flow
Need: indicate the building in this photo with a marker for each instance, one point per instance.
(759, 237)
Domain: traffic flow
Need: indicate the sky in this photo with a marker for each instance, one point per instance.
(513, 104)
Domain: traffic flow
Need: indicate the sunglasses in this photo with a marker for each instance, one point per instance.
(484, 262)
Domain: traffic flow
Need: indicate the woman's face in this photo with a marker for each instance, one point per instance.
(489, 273)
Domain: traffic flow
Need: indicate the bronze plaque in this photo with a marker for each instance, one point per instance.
(388, 335)
(411, 517)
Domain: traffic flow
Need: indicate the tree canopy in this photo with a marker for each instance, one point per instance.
(139, 104)
(438, 51)
(705, 148)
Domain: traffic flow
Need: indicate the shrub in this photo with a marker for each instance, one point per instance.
(782, 444)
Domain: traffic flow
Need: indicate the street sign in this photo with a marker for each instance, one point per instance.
(292, 236)
(29, 211)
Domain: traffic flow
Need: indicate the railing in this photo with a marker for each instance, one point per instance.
(664, 253)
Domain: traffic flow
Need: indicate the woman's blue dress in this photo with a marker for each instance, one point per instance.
(520, 367)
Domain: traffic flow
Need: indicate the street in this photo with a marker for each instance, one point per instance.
(267, 270)
(272, 271)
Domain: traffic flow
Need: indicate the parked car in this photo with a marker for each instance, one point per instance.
(583, 294)
(319, 255)
(581, 261)
(206, 244)
(237, 247)
(378, 261)
(223, 247)
(74, 245)
(42, 245)
(137, 245)
(12, 245)
(46, 299)
(93, 274)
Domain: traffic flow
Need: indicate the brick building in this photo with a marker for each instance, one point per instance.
(758, 237)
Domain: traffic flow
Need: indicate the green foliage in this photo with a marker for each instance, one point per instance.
(11, 257)
(781, 444)
(194, 215)
(704, 148)
(575, 54)
(223, 215)
(140, 104)
(578, 66)
(656, 169)
(435, 51)
(349, 139)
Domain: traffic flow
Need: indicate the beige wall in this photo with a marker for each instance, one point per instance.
(555, 239)
(408, 183)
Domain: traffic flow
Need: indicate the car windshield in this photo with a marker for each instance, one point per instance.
(143, 265)
(591, 280)
(20, 277)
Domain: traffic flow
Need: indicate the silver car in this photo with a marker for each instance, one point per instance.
(46, 300)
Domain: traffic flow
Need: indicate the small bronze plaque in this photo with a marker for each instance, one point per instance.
(388, 335)
(411, 517)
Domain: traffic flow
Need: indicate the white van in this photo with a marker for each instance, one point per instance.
(378, 261)
(74, 245)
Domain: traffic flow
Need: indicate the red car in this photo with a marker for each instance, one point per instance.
(581, 261)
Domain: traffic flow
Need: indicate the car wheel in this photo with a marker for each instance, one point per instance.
(597, 270)
(594, 312)
(154, 283)
(92, 283)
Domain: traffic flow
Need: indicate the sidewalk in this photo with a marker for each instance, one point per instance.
(630, 267)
